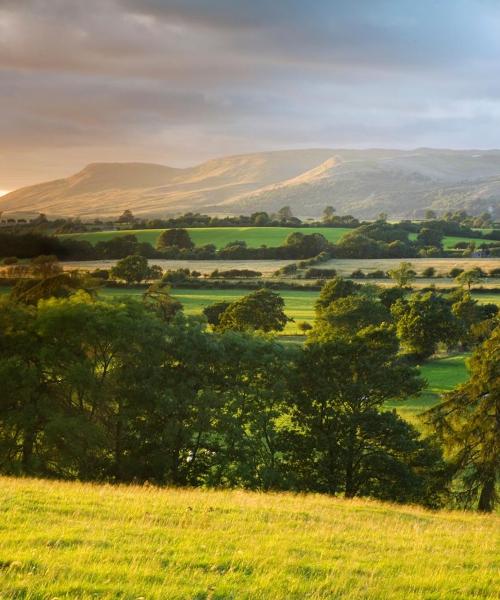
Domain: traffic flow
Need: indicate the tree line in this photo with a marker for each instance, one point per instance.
(134, 391)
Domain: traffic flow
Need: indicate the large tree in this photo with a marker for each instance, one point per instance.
(349, 444)
(424, 320)
(468, 423)
(175, 237)
(261, 310)
(132, 269)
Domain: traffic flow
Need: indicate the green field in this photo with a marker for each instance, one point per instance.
(220, 236)
(441, 374)
(253, 236)
(77, 541)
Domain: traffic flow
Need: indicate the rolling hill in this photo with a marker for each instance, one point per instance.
(82, 541)
(360, 182)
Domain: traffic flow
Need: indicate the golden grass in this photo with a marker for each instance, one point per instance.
(81, 541)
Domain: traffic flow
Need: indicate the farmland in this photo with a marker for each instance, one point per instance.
(220, 236)
(253, 236)
(82, 541)
(343, 266)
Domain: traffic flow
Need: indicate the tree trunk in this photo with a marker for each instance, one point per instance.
(487, 496)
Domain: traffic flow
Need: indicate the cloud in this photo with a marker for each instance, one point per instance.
(176, 81)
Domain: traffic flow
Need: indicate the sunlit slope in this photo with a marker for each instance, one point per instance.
(70, 540)
(360, 182)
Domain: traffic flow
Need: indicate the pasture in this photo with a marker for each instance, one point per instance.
(442, 374)
(220, 236)
(80, 541)
(253, 236)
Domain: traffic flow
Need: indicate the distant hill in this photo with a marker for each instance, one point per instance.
(360, 182)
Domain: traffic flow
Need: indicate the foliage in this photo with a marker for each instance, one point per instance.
(403, 275)
(261, 310)
(468, 423)
(423, 320)
(132, 269)
(178, 238)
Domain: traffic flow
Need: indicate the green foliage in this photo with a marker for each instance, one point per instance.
(349, 314)
(178, 238)
(468, 423)
(403, 275)
(261, 310)
(333, 290)
(214, 312)
(131, 269)
(350, 446)
(158, 299)
(469, 278)
(423, 320)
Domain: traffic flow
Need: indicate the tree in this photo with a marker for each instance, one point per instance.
(469, 278)
(468, 423)
(430, 215)
(424, 320)
(132, 269)
(285, 213)
(305, 246)
(350, 446)
(126, 217)
(45, 266)
(60, 285)
(430, 237)
(261, 310)
(332, 290)
(158, 299)
(403, 275)
(213, 312)
(328, 213)
(260, 219)
(178, 238)
(348, 315)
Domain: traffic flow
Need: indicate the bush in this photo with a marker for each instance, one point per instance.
(429, 272)
(379, 274)
(234, 274)
(315, 273)
(358, 274)
(455, 272)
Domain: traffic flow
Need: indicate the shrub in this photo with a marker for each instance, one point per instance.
(429, 272)
(10, 260)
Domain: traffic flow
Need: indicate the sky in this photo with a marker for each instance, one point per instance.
(180, 81)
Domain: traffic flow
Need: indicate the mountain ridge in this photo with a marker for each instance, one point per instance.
(364, 183)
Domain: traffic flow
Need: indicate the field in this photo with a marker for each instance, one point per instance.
(80, 541)
(343, 266)
(220, 236)
(441, 374)
(253, 236)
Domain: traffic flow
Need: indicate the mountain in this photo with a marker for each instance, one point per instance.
(360, 182)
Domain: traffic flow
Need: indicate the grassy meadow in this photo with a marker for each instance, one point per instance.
(442, 374)
(253, 236)
(219, 236)
(81, 541)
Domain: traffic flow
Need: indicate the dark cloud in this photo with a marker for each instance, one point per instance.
(177, 81)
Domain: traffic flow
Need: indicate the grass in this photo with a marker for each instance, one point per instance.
(441, 374)
(298, 305)
(219, 236)
(80, 541)
(253, 236)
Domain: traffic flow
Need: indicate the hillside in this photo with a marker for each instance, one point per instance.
(360, 182)
(72, 540)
